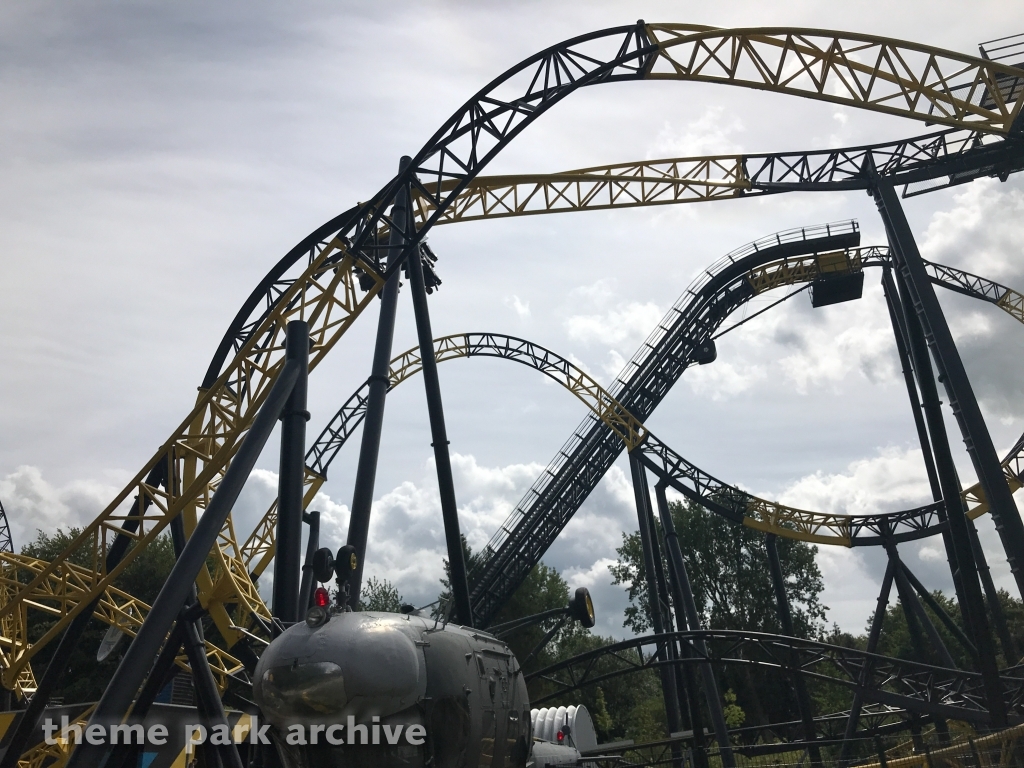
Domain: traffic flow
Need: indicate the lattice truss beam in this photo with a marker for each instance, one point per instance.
(959, 154)
(258, 550)
(901, 78)
(328, 296)
(865, 71)
(911, 685)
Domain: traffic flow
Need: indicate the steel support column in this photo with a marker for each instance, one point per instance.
(369, 448)
(641, 493)
(803, 699)
(901, 333)
(124, 684)
(915, 613)
(692, 692)
(940, 613)
(873, 635)
(682, 704)
(928, 317)
(995, 608)
(675, 554)
(439, 434)
(287, 561)
(954, 377)
(312, 519)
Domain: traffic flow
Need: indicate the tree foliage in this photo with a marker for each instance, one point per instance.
(379, 595)
(728, 569)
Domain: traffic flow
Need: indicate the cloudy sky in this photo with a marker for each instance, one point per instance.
(157, 158)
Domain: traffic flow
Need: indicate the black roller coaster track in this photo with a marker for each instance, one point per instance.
(894, 682)
(955, 155)
(589, 453)
(854, 530)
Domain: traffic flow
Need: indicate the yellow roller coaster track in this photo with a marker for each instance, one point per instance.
(258, 550)
(860, 71)
(329, 298)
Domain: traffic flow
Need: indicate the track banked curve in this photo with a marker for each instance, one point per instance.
(668, 465)
(915, 686)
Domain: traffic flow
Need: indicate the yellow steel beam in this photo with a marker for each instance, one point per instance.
(880, 74)
(328, 296)
(620, 185)
(762, 514)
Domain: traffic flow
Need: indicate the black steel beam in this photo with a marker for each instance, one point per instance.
(803, 699)
(287, 561)
(312, 544)
(874, 633)
(56, 669)
(439, 434)
(641, 494)
(689, 682)
(693, 621)
(124, 684)
(932, 322)
(369, 449)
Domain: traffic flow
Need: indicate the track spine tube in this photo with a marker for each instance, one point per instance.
(124, 684)
(439, 434)
(686, 650)
(373, 421)
(693, 620)
(288, 565)
(642, 495)
(803, 699)
(929, 318)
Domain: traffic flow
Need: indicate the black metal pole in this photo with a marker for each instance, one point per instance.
(675, 553)
(901, 333)
(873, 634)
(995, 607)
(915, 612)
(369, 448)
(642, 496)
(206, 691)
(55, 671)
(958, 386)
(439, 435)
(692, 692)
(803, 699)
(287, 560)
(666, 615)
(138, 659)
(937, 609)
(312, 544)
(929, 322)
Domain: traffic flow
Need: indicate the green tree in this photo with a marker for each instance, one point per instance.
(728, 569)
(379, 595)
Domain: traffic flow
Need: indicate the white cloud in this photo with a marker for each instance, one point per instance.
(630, 321)
(721, 380)
(522, 308)
(33, 503)
(709, 134)
(894, 479)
